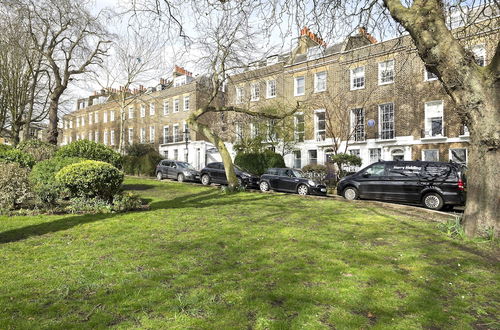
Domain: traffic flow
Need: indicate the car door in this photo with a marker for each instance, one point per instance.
(287, 180)
(172, 170)
(403, 182)
(162, 168)
(274, 179)
(220, 174)
(371, 182)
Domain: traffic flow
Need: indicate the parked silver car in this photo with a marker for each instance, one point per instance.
(174, 169)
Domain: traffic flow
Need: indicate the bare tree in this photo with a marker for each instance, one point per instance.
(71, 41)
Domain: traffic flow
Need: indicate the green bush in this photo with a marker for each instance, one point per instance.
(43, 178)
(5, 147)
(90, 179)
(38, 149)
(122, 202)
(258, 162)
(14, 185)
(17, 156)
(315, 168)
(141, 159)
(91, 150)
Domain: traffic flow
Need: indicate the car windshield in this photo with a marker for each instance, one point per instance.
(186, 165)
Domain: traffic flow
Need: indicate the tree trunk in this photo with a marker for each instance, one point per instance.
(232, 180)
(121, 143)
(53, 132)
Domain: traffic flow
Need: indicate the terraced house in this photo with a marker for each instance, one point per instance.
(368, 98)
(156, 115)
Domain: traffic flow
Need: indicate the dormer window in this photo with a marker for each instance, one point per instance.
(314, 52)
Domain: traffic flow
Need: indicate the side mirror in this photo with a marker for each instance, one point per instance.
(366, 175)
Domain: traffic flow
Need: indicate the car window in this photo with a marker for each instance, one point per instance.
(212, 165)
(272, 171)
(186, 165)
(376, 170)
(403, 170)
(297, 174)
(442, 171)
(220, 166)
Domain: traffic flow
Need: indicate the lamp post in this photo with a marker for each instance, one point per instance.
(186, 140)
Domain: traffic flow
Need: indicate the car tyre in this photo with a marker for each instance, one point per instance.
(180, 177)
(433, 201)
(205, 179)
(264, 186)
(159, 176)
(303, 190)
(350, 193)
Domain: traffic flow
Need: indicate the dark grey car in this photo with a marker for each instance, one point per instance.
(174, 169)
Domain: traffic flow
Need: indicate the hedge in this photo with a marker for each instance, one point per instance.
(258, 162)
(91, 150)
(40, 150)
(17, 156)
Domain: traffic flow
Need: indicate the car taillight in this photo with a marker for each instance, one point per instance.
(460, 184)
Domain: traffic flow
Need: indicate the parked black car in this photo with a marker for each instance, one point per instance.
(433, 184)
(290, 180)
(174, 169)
(215, 173)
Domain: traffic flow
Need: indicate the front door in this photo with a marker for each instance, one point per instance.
(371, 182)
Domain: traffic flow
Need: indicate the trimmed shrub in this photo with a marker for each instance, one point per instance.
(38, 149)
(17, 156)
(141, 159)
(43, 178)
(122, 202)
(315, 168)
(91, 150)
(90, 179)
(5, 147)
(258, 162)
(14, 185)
(126, 201)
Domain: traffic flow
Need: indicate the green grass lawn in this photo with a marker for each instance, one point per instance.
(203, 259)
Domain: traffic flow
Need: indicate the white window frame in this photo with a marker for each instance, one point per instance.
(239, 95)
(175, 133)
(105, 140)
(296, 132)
(112, 115)
(238, 132)
(466, 154)
(96, 136)
(382, 123)
(370, 155)
(271, 88)
(112, 137)
(166, 128)
(176, 106)
(90, 118)
(152, 109)
(389, 67)
(90, 135)
(254, 130)
(166, 107)
(142, 137)
(296, 86)
(317, 87)
(435, 150)
(83, 120)
(428, 118)
(105, 117)
(355, 75)
(143, 110)
(96, 117)
(186, 103)
(131, 112)
(254, 92)
(130, 135)
(152, 134)
(317, 131)
(354, 124)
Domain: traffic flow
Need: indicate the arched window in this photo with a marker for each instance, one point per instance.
(398, 154)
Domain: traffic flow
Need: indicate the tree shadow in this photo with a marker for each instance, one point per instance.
(139, 187)
(19, 234)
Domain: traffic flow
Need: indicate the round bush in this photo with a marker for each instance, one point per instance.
(90, 150)
(43, 177)
(17, 156)
(14, 185)
(91, 178)
(5, 147)
(259, 162)
(38, 149)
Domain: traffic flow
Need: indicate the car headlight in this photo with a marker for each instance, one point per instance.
(187, 173)
(246, 175)
(311, 182)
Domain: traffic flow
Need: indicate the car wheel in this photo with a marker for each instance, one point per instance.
(264, 186)
(180, 177)
(350, 193)
(433, 201)
(159, 176)
(303, 190)
(205, 179)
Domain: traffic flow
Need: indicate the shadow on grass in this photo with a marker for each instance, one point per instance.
(19, 234)
(139, 187)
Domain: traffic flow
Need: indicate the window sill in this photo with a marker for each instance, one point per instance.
(357, 142)
(358, 88)
(464, 137)
(386, 83)
(322, 91)
(299, 94)
(270, 97)
(385, 140)
(433, 138)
